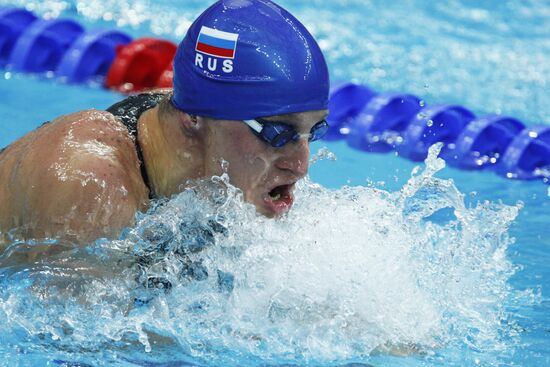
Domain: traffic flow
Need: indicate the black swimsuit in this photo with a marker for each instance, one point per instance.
(128, 111)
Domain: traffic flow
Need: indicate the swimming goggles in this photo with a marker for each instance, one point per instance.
(277, 134)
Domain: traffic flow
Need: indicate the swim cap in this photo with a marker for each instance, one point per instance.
(243, 59)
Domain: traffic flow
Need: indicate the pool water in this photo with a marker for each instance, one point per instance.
(449, 266)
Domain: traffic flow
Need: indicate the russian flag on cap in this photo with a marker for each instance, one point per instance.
(217, 43)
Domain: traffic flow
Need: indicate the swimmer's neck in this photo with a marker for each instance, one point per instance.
(170, 158)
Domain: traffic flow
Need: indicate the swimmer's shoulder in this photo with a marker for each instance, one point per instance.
(79, 173)
(89, 135)
(81, 125)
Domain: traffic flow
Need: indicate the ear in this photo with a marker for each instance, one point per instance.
(192, 126)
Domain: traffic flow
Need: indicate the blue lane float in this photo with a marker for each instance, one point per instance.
(13, 22)
(484, 141)
(91, 55)
(528, 155)
(379, 126)
(433, 124)
(42, 45)
(346, 102)
(366, 120)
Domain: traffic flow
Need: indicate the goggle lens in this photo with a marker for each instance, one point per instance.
(278, 134)
(318, 130)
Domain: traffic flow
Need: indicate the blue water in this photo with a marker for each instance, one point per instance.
(460, 273)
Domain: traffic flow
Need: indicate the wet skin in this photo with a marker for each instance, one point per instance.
(257, 168)
(78, 177)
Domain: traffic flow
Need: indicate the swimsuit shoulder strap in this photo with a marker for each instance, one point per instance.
(128, 112)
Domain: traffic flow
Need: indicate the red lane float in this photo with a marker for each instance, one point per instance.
(165, 80)
(140, 64)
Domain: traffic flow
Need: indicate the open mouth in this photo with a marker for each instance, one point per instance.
(280, 198)
(278, 192)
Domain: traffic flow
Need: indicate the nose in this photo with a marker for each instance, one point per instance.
(295, 158)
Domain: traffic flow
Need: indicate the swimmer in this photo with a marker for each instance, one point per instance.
(250, 88)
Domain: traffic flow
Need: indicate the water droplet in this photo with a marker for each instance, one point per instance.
(322, 154)
(7, 75)
(224, 165)
(127, 87)
(421, 115)
(429, 123)
(422, 103)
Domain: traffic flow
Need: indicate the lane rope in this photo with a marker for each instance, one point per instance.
(367, 120)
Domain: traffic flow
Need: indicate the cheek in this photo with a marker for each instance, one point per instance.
(247, 157)
(248, 165)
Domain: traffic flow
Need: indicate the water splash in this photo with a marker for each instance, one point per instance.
(347, 274)
(322, 154)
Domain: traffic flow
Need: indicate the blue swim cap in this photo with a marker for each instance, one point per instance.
(243, 59)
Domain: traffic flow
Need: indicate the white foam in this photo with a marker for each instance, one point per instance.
(347, 273)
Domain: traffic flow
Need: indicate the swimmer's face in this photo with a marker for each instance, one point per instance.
(266, 175)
